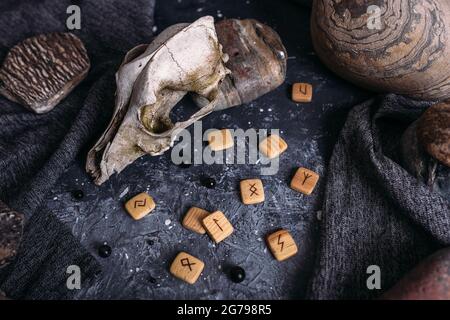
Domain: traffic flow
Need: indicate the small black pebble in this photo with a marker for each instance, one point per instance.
(237, 274)
(152, 280)
(150, 242)
(104, 251)
(208, 182)
(78, 194)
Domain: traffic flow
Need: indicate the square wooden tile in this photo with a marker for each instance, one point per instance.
(220, 140)
(186, 267)
(193, 220)
(272, 146)
(282, 245)
(140, 206)
(304, 181)
(302, 92)
(252, 191)
(217, 226)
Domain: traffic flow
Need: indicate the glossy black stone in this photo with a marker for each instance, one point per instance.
(78, 194)
(104, 251)
(237, 274)
(208, 182)
(152, 280)
(150, 242)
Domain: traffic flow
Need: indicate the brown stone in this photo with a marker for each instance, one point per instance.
(41, 71)
(405, 51)
(434, 132)
(11, 229)
(257, 61)
(430, 280)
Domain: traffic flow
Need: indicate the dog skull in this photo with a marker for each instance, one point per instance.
(150, 82)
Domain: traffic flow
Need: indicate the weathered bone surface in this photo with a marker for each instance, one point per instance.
(408, 55)
(185, 59)
(257, 61)
(41, 71)
(150, 82)
(434, 132)
(11, 229)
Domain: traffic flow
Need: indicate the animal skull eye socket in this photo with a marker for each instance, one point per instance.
(183, 110)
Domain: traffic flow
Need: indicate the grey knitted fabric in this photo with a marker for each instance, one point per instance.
(35, 150)
(374, 212)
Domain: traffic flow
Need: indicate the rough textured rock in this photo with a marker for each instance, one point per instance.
(41, 71)
(430, 280)
(408, 55)
(11, 228)
(434, 132)
(257, 61)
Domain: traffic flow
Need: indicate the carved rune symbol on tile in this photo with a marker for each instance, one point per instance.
(303, 89)
(281, 243)
(186, 263)
(307, 176)
(253, 190)
(140, 203)
(217, 222)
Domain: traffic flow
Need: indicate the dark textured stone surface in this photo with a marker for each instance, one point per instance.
(142, 251)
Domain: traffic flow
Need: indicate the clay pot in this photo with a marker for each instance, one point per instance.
(430, 280)
(405, 51)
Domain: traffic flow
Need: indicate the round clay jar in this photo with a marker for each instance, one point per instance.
(398, 46)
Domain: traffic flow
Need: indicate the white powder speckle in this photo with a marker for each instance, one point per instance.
(154, 29)
(55, 198)
(167, 222)
(124, 193)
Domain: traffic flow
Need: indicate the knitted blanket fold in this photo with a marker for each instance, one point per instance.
(35, 150)
(374, 211)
